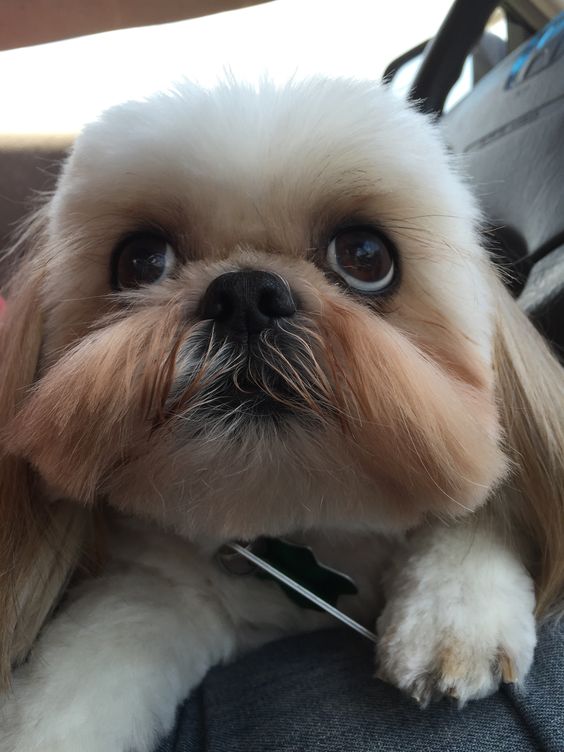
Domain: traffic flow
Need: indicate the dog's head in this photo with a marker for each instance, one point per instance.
(264, 310)
(251, 311)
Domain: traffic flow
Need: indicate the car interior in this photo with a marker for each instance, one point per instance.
(508, 130)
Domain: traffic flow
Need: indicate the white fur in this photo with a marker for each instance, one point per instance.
(124, 649)
(108, 672)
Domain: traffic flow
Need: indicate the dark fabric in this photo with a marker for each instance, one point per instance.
(316, 692)
(541, 705)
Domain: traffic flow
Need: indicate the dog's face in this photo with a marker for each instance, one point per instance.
(263, 311)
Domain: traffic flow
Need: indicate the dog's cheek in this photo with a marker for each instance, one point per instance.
(91, 409)
(419, 430)
(70, 440)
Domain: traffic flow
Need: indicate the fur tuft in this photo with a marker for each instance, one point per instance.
(39, 542)
(530, 384)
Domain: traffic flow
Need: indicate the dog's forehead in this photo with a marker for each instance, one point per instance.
(254, 133)
(254, 158)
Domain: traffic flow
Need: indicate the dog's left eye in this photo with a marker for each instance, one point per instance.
(363, 258)
(141, 259)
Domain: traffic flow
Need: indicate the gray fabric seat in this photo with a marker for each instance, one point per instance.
(316, 693)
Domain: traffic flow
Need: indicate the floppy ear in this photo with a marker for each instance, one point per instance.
(40, 542)
(530, 384)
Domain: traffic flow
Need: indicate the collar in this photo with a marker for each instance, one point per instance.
(296, 571)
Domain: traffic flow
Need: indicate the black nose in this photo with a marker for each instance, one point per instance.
(247, 302)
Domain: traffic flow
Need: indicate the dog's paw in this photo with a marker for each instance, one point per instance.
(428, 662)
(457, 631)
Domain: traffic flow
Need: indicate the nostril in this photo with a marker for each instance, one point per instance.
(276, 303)
(221, 309)
(218, 304)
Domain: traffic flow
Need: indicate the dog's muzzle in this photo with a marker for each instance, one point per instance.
(251, 356)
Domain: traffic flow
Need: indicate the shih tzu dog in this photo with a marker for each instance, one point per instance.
(261, 311)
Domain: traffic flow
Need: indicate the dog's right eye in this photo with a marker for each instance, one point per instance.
(364, 259)
(141, 259)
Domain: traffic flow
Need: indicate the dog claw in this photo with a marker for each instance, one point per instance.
(452, 692)
(508, 673)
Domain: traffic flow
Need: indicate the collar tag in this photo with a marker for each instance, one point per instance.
(297, 571)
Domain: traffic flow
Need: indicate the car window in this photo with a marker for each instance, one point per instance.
(492, 48)
(55, 88)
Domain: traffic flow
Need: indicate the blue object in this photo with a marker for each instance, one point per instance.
(542, 50)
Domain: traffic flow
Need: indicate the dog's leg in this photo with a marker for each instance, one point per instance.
(459, 615)
(109, 671)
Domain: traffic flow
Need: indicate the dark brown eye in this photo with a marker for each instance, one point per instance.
(142, 259)
(363, 258)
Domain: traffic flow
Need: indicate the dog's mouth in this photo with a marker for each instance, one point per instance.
(242, 393)
(270, 377)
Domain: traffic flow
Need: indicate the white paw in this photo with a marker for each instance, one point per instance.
(457, 631)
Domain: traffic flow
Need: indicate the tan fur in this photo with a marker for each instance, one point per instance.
(530, 385)
(39, 543)
(435, 430)
(443, 428)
